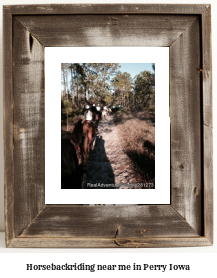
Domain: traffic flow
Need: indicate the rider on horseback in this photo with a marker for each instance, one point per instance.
(88, 132)
(93, 109)
(98, 107)
(88, 113)
(98, 113)
(104, 112)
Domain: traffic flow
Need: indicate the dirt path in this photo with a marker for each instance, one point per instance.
(108, 165)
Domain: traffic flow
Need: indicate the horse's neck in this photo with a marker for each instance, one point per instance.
(85, 127)
(77, 133)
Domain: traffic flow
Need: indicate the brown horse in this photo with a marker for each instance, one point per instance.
(75, 148)
(88, 133)
(71, 163)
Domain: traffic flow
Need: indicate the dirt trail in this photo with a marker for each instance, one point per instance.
(107, 163)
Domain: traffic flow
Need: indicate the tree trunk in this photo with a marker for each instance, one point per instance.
(64, 82)
(77, 89)
(67, 90)
(72, 86)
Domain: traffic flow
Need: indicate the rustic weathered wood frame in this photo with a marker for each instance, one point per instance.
(186, 29)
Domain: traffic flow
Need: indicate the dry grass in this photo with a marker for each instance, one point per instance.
(137, 132)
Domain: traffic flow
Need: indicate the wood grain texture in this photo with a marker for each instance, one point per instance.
(29, 133)
(108, 243)
(208, 183)
(185, 113)
(207, 122)
(107, 30)
(8, 125)
(106, 9)
(207, 67)
(109, 221)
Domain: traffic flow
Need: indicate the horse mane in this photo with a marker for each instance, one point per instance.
(77, 132)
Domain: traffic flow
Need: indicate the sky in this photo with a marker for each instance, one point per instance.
(135, 68)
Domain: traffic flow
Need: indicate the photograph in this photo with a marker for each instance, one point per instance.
(105, 113)
(107, 125)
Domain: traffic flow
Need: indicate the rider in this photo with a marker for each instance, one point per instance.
(88, 113)
(99, 114)
(95, 116)
(98, 107)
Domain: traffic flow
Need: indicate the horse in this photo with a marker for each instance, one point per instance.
(71, 163)
(75, 148)
(87, 139)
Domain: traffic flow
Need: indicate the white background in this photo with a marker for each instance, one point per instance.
(53, 192)
(203, 263)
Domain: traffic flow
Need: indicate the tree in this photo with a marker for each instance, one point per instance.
(66, 109)
(153, 67)
(144, 87)
(89, 81)
(122, 84)
(64, 76)
(100, 75)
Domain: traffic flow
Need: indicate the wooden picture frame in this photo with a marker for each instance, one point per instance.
(186, 30)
